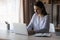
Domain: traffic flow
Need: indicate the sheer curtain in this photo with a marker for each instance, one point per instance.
(9, 11)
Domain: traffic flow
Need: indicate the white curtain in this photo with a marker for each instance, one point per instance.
(9, 11)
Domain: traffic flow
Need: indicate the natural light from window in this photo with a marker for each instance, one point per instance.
(9, 11)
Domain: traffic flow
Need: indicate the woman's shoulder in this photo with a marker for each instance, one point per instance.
(46, 16)
(34, 15)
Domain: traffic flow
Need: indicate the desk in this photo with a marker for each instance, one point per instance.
(12, 36)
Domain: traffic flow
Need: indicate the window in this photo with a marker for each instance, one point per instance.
(9, 11)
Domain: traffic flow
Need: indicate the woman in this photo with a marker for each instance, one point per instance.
(40, 20)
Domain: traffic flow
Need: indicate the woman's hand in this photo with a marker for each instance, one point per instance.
(31, 32)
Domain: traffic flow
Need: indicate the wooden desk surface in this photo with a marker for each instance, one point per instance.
(12, 36)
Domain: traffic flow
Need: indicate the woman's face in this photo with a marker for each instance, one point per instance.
(37, 9)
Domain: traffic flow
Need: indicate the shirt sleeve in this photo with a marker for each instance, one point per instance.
(45, 25)
(30, 26)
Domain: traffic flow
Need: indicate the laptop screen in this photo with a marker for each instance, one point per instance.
(20, 28)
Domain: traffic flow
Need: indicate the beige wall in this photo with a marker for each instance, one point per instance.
(47, 1)
(48, 9)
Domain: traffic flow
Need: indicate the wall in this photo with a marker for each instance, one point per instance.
(55, 12)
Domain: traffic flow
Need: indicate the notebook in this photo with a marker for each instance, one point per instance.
(57, 33)
(42, 35)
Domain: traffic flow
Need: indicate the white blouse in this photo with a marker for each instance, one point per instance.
(39, 24)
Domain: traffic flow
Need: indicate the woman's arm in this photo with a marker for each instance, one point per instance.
(30, 26)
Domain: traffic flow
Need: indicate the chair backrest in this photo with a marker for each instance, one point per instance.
(52, 28)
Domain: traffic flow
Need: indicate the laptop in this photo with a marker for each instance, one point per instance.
(20, 28)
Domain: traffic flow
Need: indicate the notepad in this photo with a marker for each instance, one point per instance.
(42, 35)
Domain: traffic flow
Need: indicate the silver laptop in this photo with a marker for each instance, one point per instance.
(20, 28)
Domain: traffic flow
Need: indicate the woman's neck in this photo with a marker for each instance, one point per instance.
(40, 15)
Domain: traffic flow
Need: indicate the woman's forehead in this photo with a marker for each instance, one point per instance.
(36, 7)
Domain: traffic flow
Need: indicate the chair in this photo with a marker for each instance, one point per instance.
(52, 29)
